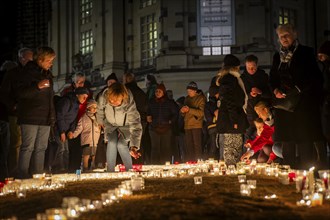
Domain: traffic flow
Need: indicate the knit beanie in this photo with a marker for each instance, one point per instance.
(112, 76)
(91, 102)
(81, 91)
(161, 86)
(231, 61)
(192, 85)
(325, 48)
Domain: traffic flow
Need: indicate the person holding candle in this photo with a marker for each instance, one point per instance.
(118, 114)
(262, 143)
(299, 132)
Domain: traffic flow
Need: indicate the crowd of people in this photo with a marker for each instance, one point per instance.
(237, 121)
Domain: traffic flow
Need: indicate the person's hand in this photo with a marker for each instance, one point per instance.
(245, 157)
(43, 84)
(70, 135)
(256, 91)
(269, 161)
(247, 145)
(149, 118)
(133, 151)
(184, 109)
(216, 113)
(279, 94)
(63, 137)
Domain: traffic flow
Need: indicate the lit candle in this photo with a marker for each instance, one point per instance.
(311, 179)
(325, 180)
(317, 199)
(303, 180)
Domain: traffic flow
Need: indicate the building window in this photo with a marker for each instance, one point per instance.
(148, 39)
(287, 15)
(207, 51)
(147, 3)
(86, 11)
(86, 42)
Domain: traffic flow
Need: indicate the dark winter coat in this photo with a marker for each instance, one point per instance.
(304, 123)
(259, 80)
(35, 106)
(164, 112)
(66, 113)
(140, 98)
(209, 110)
(9, 88)
(231, 108)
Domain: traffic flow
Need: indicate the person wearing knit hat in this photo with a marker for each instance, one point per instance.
(193, 113)
(89, 131)
(231, 61)
(192, 85)
(161, 86)
(112, 78)
(91, 103)
(161, 115)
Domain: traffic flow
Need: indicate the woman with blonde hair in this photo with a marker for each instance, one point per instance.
(232, 121)
(118, 115)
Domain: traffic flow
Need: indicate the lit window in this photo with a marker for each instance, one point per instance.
(287, 15)
(148, 39)
(86, 11)
(86, 42)
(147, 3)
(226, 50)
(207, 51)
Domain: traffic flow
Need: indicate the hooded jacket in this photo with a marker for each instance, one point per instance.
(124, 118)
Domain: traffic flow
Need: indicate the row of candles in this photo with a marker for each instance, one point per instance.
(304, 179)
(73, 207)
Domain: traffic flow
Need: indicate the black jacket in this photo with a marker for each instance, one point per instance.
(140, 98)
(35, 106)
(259, 80)
(231, 111)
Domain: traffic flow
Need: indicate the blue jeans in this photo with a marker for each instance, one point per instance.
(34, 140)
(115, 144)
(4, 149)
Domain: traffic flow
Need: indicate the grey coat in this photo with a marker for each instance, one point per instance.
(125, 119)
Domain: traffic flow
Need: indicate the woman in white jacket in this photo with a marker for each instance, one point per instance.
(118, 115)
(90, 133)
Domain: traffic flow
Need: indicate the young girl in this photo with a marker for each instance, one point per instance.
(90, 133)
(262, 143)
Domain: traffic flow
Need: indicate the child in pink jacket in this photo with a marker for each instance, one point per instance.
(90, 134)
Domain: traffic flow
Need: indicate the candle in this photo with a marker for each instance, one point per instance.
(245, 190)
(198, 180)
(325, 180)
(317, 199)
(311, 179)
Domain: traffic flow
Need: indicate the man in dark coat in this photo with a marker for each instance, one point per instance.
(300, 132)
(257, 88)
(9, 94)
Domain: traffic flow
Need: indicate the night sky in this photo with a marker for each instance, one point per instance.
(8, 30)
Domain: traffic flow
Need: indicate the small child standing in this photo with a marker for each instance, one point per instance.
(90, 134)
(263, 143)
